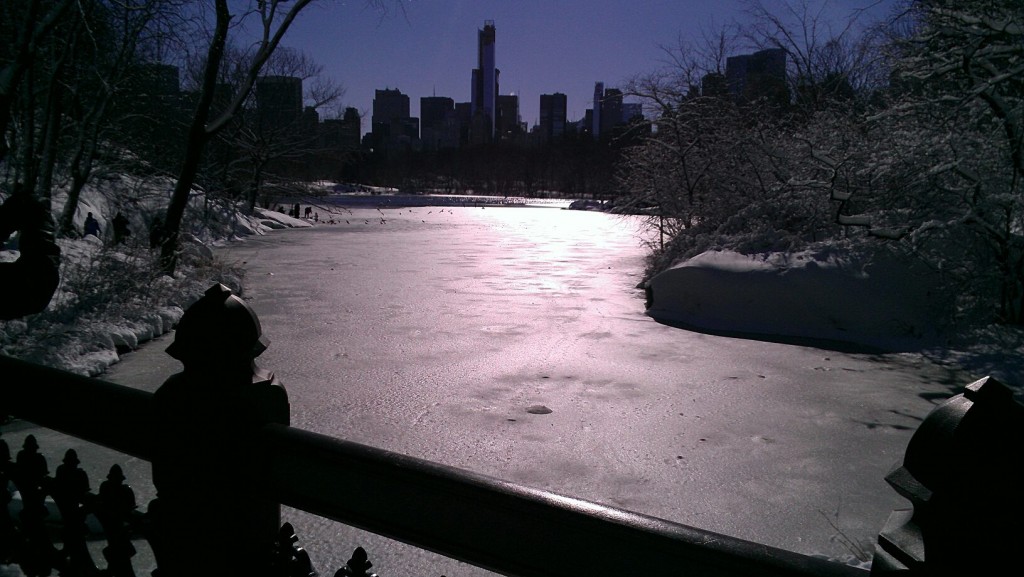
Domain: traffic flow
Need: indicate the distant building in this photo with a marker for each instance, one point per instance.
(352, 128)
(439, 127)
(391, 127)
(464, 118)
(611, 111)
(485, 84)
(714, 85)
(759, 75)
(342, 133)
(156, 79)
(279, 101)
(553, 111)
(388, 105)
(632, 111)
(508, 126)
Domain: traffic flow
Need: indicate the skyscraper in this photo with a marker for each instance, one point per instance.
(553, 110)
(507, 125)
(758, 75)
(611, 111)
(595, 128)
(278, 101)
(632, 111)
(438, 125)
(390, 123)
(485, 80)
(388, 105)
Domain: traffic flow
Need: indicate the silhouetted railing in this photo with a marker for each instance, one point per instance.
(494, 524)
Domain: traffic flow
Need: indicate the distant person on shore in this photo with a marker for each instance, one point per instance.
(28, 284)
(91, 226)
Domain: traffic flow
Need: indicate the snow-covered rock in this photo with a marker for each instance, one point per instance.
(880, 301)
(280, 219)
(192, 244)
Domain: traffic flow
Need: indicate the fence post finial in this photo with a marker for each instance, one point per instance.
(962, 474)
(211, 516)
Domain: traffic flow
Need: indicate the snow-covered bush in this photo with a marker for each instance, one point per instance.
(110, 300)
(931, 165)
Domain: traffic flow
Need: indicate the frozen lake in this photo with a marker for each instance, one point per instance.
(433, 332)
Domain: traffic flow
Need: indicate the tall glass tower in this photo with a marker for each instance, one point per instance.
(485, 78)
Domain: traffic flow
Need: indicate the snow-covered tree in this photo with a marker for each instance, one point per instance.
(942, 163)
(720, 171)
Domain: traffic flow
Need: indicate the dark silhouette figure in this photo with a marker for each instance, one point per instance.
(10, 539)
(357, 566)
(292, 560)
(120, 226)
(32, 476)
(115, 508)
(156, 232)
(71, 493)
(204, 475)
(29, 282)
(92, 226)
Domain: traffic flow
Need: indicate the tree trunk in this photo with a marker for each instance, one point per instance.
(27, 45)
(197, 139)
(199, 132)
(255, 184)
(48, 154)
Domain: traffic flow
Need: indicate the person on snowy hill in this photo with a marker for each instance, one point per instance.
(28, 284)
(92, 226)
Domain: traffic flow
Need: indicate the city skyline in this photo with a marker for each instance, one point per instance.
(431, 48)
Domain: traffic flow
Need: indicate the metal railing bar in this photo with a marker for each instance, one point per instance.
(498, 525)
(98, 411)
(502, 526)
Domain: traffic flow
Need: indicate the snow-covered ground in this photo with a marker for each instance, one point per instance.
(825, 294)
(77, 338)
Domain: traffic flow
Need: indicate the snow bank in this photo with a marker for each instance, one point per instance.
(276, 220)
(87, 345)
(879, 301)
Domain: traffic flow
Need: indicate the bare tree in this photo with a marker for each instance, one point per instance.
(111, 62)
(28, 27)
(267, 139)
(203, 127)
(829, 55)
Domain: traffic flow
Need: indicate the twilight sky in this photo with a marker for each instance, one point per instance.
(542, 46)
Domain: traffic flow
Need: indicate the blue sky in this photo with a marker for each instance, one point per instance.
(423, 47)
